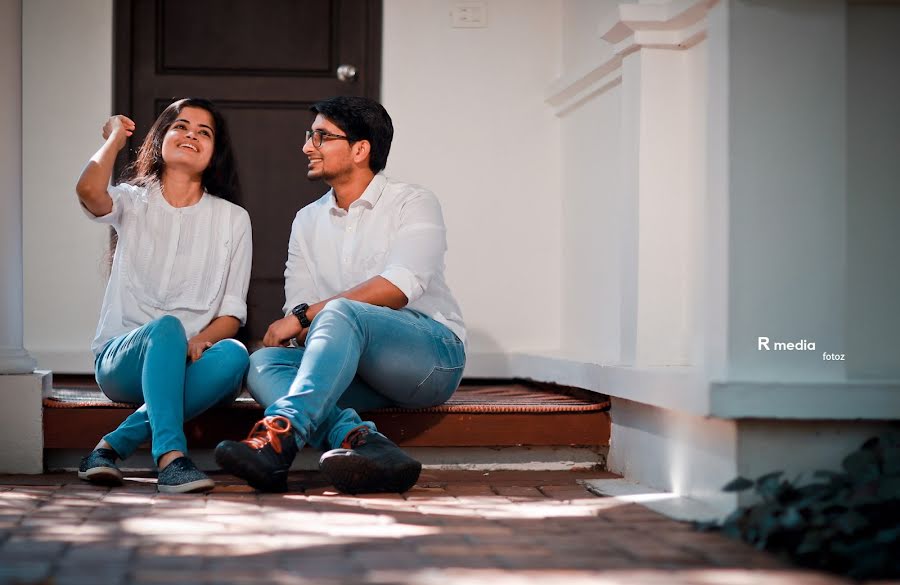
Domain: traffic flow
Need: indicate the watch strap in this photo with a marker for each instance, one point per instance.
(300, 313)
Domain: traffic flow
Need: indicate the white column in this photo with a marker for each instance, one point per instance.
(786, 188)
(667, 201)
(65, 45)
(629, 225)
(20, 386)
(873, 182)
(13, 357)
(663, 150)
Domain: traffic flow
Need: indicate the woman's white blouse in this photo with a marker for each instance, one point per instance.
(191, 262)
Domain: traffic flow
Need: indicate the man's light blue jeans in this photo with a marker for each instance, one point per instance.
(149, 366)
(357, 357)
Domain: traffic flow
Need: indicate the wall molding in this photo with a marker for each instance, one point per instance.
(80, 361)
(850, 400)
(686, 389)
(677, 25)
(671, 20)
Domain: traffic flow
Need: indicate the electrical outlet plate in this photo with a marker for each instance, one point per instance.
(470, 14)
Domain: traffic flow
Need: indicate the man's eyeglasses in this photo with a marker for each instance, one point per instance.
(320, 136)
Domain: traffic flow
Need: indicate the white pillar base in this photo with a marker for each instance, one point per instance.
(693, 457)
(16, 361)
(21, 421)
(682, 454)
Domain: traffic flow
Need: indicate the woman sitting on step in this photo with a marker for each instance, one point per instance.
(178, 287)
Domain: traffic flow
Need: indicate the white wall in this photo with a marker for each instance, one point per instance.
(873, 191)
(471, 124)
(633, 152)
(67, 95)
(635, 244)
(591, 292)
(591, 295)
(581, 40)
(787, 187)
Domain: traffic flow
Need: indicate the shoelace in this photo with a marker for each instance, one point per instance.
(355, 438)
(106, 453)
(267, 432)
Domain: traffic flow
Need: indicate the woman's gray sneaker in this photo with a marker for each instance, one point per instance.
(182, 476)
(100, 467)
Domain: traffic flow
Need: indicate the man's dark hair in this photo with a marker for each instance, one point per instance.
(361, 119)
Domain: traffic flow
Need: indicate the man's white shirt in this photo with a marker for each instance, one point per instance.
(394, 230)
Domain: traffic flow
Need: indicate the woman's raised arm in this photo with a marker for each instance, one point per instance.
(94, 181)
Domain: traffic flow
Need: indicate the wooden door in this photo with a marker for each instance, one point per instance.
(263, 63)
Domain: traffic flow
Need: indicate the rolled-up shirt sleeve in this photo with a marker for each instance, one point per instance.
(417, 252)
(122, 196)
(234, 302)
(299, 286)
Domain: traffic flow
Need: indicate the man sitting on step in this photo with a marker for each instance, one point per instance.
(369, 320)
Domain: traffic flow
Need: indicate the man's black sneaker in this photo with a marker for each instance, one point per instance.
(264, 457)
(100, 467)
(181, 476)
(368, 462)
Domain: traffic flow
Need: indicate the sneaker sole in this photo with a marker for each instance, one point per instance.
(200, 485)
(257, 478)
(354, 474)
(102, 476)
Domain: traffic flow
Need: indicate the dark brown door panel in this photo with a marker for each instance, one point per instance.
(264, 63)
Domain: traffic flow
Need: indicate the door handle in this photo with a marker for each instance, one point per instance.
(346, 73)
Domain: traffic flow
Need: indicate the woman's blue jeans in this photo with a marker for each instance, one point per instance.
(149, 366)
(357, 357)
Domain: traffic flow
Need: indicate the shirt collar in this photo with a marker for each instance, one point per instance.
(369, 197)
(154, 189)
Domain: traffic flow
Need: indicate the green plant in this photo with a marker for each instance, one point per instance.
(847, 522)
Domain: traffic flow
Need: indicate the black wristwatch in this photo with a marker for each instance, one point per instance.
(300, 312)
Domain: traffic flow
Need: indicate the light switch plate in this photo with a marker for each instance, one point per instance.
(468, 14)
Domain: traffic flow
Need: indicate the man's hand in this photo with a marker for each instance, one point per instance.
(196, 347)
(281, 331)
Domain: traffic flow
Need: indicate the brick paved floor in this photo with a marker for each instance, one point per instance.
(453, 528)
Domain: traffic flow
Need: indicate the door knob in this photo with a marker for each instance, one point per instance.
(346, 73)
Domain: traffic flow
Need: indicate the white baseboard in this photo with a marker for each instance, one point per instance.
(678, 388)
(684, 388)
